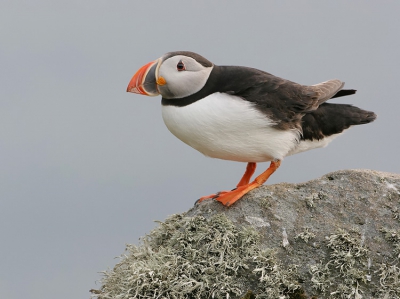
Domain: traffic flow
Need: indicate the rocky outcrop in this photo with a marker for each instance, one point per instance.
(334, 237)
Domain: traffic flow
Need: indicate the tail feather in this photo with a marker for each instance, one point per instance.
(344, 92)
(331, 119)
(327, 89)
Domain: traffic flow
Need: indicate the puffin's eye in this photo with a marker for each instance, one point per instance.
(180, 66)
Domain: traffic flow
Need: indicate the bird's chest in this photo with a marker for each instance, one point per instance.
(225, 127)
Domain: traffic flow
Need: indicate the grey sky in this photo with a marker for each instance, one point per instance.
(86, 167)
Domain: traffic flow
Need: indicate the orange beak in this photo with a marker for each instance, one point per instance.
(145, 80)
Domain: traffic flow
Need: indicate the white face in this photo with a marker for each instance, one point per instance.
(183, 75)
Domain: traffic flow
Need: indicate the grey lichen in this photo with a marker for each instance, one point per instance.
(265, 202)
(389, 281)
(345, 273)
(346, 251)
(306, 235)
(320, 277)
(396, 213)
(393, 236)
(195, 257)
(274, 280)
(310, 199)
(389, 274)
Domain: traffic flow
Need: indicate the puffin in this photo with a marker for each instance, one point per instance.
(244, 114)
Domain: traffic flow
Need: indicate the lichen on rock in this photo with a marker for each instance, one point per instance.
(198, 258)
(341, 231)
(345, 273)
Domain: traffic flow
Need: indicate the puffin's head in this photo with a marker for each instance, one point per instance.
(174, 75)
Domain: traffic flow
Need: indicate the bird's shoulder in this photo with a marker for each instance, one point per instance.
(281, 100)
(269, 91)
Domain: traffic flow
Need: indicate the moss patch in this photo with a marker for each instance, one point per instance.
(199, 258)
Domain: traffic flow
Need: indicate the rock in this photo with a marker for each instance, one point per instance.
(334, 237)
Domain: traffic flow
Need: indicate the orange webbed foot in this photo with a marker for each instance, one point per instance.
(211, 196)
(227, 198)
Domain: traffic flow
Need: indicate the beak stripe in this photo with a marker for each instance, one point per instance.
(136, 83)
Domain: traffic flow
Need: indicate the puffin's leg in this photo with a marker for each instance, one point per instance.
(230, 197)
(251, 167)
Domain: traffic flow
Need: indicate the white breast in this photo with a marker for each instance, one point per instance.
(227, 127)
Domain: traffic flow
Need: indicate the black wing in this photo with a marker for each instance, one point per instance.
(282, 100)
(331, 119)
